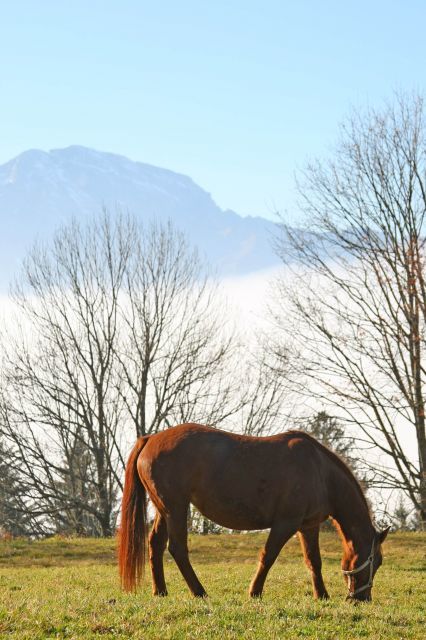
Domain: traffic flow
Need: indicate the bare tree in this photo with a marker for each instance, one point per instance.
(265, 397)
(116, 335)
(59, 368)
(178, 347)
(354, 306)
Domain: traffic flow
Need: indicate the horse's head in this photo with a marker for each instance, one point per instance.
(359, 573)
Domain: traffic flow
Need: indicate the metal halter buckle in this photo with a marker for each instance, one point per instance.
(352, 572)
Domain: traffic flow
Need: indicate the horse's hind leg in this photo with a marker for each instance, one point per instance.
(178, 547)
(157, 546)
(309, 539)
(278, 536)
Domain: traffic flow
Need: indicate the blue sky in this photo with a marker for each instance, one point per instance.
(235, 94)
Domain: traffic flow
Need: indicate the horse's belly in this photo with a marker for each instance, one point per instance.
(233, 513)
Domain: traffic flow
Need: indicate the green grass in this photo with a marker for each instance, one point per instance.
(68, 588)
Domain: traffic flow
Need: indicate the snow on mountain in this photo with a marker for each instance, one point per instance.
(40, 190)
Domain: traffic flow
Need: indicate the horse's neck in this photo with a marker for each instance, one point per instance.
(352, 515)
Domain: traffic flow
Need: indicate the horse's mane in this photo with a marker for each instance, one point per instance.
(336, 458)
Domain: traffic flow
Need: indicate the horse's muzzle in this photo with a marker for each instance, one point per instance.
(362, 597)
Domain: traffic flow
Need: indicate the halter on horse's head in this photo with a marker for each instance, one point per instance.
(360, 578)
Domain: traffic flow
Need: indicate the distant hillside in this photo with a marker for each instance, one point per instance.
(39, 190)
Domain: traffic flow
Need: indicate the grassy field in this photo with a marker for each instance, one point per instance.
(68, 588)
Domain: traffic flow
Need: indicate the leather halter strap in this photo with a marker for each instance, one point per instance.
(352, 572)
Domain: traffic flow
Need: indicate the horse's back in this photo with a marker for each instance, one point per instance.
(239, 481)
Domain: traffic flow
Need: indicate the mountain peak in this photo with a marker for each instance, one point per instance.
(41, 189)
(76, 151)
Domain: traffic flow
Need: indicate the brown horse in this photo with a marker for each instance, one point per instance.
(288, 482)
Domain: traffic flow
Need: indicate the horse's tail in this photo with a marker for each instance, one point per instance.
(133, 527)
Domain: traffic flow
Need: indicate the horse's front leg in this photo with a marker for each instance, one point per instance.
(309, 539)
(278, 536)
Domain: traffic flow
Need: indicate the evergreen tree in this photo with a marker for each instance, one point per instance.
(14, 518)
(330, 432)
(77, 493)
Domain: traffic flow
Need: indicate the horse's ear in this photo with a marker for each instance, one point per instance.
(382, 534)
